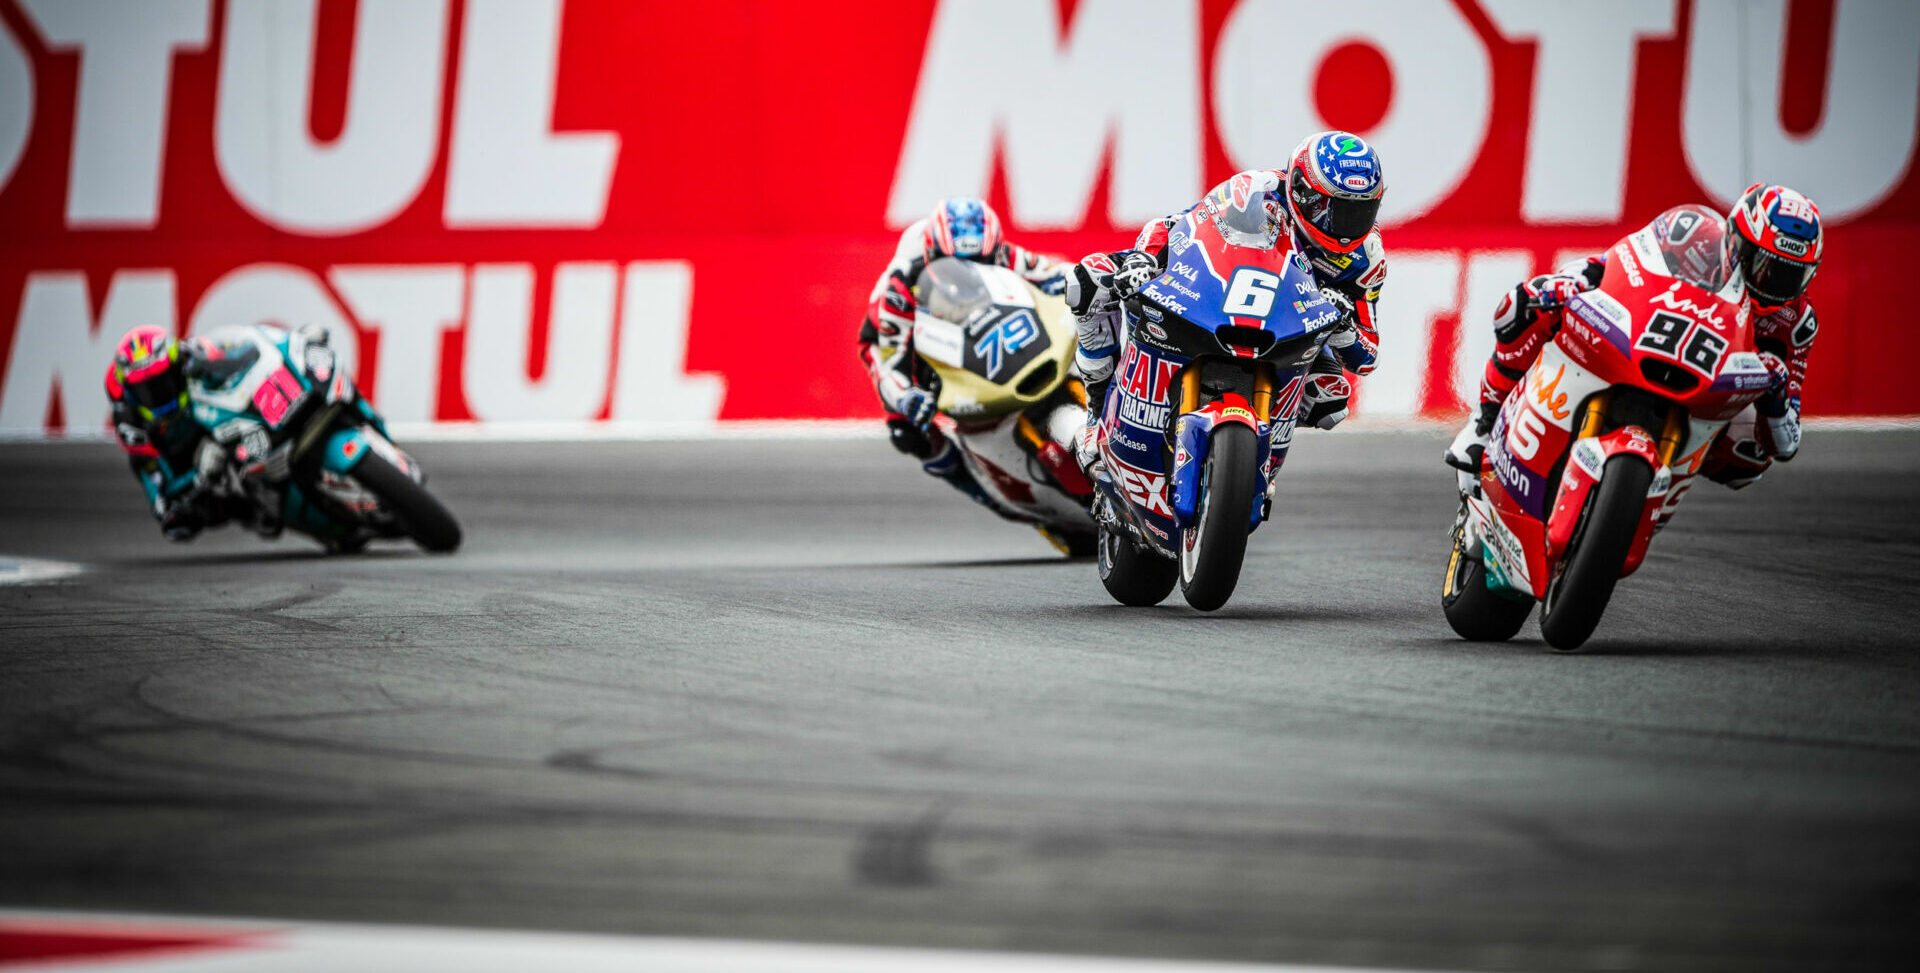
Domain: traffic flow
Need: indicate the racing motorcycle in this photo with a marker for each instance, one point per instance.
(1592, 452)
(997, 349)
(304, 448)
(1209, 379)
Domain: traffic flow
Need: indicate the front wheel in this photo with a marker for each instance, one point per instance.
(423, 517)
(1474, 611)
(1578, 594)
(1133, 576)
(1212, 550)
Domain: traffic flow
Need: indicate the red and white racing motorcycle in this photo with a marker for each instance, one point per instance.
(1594, 449)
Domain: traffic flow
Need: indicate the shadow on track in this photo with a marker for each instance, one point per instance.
(265, 556)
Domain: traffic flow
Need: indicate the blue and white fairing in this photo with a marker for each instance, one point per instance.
(1228, 294)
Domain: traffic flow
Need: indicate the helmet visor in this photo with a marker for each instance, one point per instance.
(1771, 278)
(1336, 216)
(157, 392)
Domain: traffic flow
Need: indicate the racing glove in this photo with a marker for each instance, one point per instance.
(1551, 291)
(916, 406)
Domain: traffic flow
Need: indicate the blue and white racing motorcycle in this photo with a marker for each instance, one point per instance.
(304, 447)
(1214, 359)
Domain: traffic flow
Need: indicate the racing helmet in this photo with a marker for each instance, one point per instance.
(146, 371)
(1776, 244)
(962, 227)
(1334, 185)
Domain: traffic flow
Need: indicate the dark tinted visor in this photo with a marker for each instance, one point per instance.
(1771, 278)
(1342, 219)
(156, 391)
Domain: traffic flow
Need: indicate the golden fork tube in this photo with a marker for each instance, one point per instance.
(1190, 389)
(1263, 392)
(1078, 390)
(1673, 435)
(1595, 415)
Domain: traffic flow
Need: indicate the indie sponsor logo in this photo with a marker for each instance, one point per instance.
(1670, 298)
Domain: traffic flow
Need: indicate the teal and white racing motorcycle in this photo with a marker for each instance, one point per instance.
(302, 445)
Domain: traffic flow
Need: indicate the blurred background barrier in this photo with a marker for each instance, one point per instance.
(653, 212)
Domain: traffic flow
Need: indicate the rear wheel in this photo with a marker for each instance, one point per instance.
(1578, 595)
(1133, 576)
(420, 515)
(1212, 550)
(1474, 611)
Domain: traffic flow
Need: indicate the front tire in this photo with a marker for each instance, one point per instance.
(1212, 550)
(1133, 576)
(1474, 611)
(1591, 566)
(422, 516)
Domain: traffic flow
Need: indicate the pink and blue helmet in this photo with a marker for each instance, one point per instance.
(1334, 185)
(962, 227)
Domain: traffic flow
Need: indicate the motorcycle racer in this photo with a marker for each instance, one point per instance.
(174, 459)
(958, 227)
(1772, 237)
(1324, 203)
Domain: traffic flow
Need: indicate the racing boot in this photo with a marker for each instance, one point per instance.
(1471, 444)
(1086, 447)
(946, 465)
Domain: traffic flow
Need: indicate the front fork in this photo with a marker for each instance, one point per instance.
(1193, 436)
(1586, 462)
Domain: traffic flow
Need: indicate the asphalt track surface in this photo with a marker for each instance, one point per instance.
(796, 690)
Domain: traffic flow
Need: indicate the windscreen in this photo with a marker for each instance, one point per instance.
(1694, 244)
(1253, 223)
(952, 290)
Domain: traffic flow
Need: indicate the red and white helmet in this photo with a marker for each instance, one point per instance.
(1776, 243)
(962, 227)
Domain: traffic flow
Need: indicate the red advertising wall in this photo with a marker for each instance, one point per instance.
(530, 210)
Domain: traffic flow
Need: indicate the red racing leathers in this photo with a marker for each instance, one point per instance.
(1529, 317)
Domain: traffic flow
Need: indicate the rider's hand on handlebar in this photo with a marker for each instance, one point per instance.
(1777, 374)
(1553, 290)
(1136, 270)
(916, 404)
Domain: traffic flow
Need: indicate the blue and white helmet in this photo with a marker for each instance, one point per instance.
(962, 227)
(1334, 185)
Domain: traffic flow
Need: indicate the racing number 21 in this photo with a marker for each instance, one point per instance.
(1251, 293)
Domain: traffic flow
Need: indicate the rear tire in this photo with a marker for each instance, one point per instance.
(423, 517)
(1214, 547)
(1474, 611)
(1578, 597)
(1133, 576)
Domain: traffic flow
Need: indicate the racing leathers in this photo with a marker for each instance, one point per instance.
(1530, 316)
(886, 349)
(1352, 281)
(181, 468)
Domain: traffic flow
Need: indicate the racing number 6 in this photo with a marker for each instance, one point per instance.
(1251, 293)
